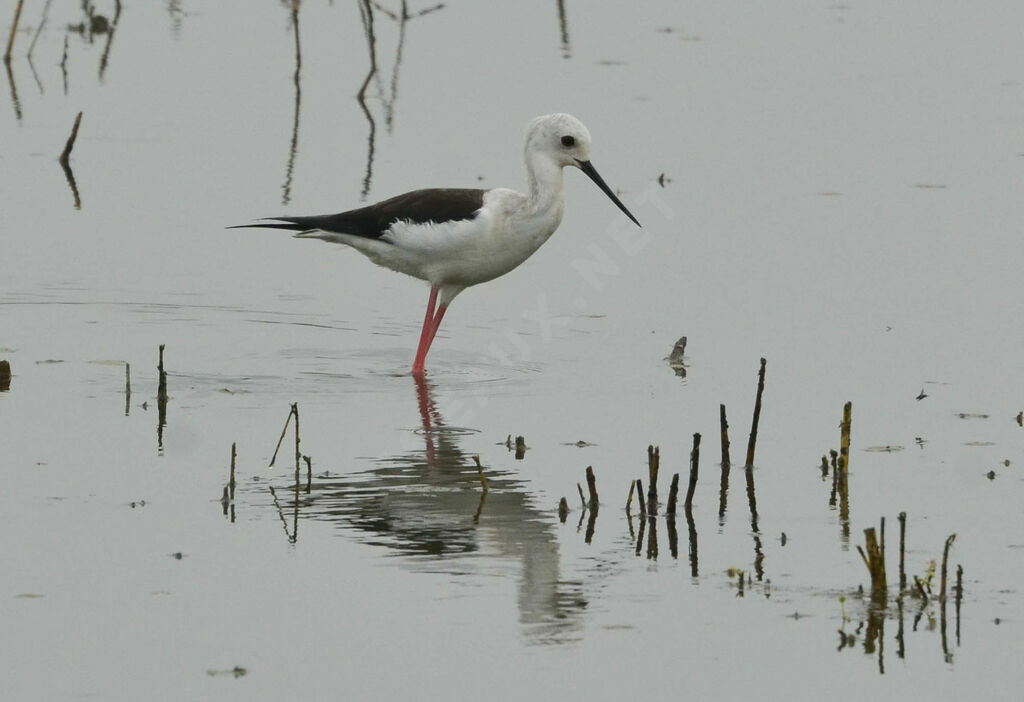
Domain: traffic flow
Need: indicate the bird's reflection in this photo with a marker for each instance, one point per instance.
(427, 506)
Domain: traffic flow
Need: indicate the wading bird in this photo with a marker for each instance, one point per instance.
(455, 237)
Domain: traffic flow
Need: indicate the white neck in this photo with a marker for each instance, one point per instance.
(544, 182)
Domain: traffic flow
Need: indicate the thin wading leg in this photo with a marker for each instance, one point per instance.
(425, 334)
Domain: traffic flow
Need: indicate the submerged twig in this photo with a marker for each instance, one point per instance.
(480, 473)
(70, 144)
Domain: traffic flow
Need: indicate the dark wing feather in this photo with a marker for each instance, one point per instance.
(419, 206)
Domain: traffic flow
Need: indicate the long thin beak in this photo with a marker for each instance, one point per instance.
(588, 168)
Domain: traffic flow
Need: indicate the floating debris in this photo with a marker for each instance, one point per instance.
(921, 395)
(675, 357)
(991, 475)
(884, 449)
(971, 415)
(238, 672)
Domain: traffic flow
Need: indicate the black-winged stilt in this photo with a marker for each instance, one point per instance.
(454, 238)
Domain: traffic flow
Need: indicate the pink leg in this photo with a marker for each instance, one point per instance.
(437, 323)
(426, 334)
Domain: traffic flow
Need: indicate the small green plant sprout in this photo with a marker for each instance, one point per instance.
(842, 609)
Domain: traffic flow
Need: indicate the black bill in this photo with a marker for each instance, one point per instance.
(588, 168)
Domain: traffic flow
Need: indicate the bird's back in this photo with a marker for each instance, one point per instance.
(437, 205)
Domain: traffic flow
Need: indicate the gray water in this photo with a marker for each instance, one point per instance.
(833, 187)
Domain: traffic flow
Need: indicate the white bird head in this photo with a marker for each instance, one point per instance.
(566, 141)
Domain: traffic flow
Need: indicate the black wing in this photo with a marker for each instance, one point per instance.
(431, 205)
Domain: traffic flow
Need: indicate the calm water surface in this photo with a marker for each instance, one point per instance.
(835, 188)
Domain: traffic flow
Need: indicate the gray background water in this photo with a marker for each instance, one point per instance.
(841, 196)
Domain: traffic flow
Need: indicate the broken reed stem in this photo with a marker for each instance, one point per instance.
(694, 461)
(653, 463)
(629, 500)
(592, 488)
(881, 535)
(751, 443)
(726, 462)
(959, 584)
(640, 497)
(287, 420)
(945, 558)
(583, 500)
(480, 474)
(14, 29)
(873, 560)
(71, 141)
(903, 538)
(563, 509)
(844, 437)
(231, 480)
(673, 492)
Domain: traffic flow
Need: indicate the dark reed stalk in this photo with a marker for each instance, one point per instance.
(673, 492)
(726, 461)
(844, 437)
(592, 488)
(945, 559)
(563, 510)
(653, 463)
(903, 539)
(694, 462)
(752, 441)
